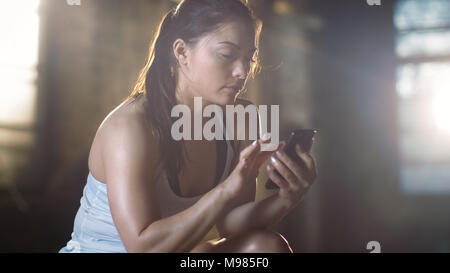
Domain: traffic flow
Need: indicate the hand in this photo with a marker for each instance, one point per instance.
(246, 170)
(294, 178)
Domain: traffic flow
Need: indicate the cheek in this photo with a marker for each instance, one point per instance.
(211, 74)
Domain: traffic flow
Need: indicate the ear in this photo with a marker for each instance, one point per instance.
(181, 51)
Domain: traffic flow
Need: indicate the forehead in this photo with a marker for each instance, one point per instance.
(234, 32)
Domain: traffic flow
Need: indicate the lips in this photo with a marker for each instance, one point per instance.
(235, 87)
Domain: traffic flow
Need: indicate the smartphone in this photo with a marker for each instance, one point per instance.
(299, 136)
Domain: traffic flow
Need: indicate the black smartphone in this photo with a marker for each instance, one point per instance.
(299, 136)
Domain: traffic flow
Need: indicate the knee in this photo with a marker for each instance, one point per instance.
(201, 248)
(267, 241)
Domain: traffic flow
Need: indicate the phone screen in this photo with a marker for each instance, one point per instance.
(299, 136)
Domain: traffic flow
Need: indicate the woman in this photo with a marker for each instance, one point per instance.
(147, 192)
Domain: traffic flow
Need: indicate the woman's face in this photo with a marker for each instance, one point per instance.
(217, 66)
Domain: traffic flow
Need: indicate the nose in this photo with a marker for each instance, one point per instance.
(241, 70)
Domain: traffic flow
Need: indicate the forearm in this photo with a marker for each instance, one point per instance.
(183, 231)
(264, 213)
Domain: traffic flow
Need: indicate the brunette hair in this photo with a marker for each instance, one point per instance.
(189, 20)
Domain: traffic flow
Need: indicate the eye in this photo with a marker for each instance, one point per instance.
(227, 56)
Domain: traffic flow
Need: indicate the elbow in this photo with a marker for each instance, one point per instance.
(141, 247)
(145, 242)
(135, 246)
(138, 243)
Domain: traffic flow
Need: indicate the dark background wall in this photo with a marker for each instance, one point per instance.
(336, 74)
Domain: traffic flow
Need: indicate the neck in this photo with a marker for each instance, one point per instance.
(196, 105)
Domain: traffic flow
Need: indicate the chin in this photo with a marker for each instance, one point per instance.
(231, 98)
(228, 100)
(221, 100)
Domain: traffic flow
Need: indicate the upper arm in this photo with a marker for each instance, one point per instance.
(249, 194)
(130, 162)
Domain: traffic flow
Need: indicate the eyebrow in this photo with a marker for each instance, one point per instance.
(235, 45)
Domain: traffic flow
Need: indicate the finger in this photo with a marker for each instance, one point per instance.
(285, 173)
(307, 160)
(299, 149)
(249, 157)
(308, 148)
(276, 178)
(253, 149)
(293, 166)
(281, 146)
(264, 155)
(257, 159)
(311, 165)
(250, 150)
(262, 141)
(305, 156)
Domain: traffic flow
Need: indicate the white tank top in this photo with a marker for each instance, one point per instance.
(94, 229)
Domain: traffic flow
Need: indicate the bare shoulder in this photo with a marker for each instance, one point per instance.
(124, 141)
(130, 159)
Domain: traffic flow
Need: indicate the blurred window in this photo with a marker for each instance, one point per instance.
(19, 29)
(423, 92)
